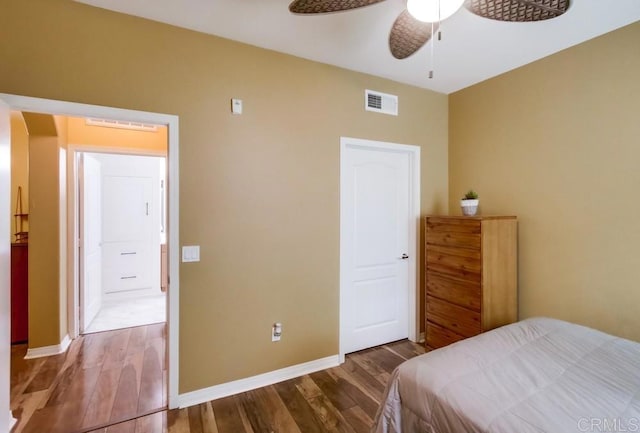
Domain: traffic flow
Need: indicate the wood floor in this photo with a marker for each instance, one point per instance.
(102, 379)
(343, 399)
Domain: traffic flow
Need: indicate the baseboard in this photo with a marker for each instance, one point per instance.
(39, 352)
(237, 386)
(421, 338)
(12, 421)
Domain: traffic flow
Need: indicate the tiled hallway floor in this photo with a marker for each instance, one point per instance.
(129, 312)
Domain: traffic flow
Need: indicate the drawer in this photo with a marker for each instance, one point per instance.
(457, 262)
(437, 336)
(454, 239)
(128, 261)
(126, 266)
(460, 292)
(453, 317)
(453, 225)
(459, 232)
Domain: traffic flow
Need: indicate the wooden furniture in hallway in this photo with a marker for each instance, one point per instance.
(19, 292)
(471, 276)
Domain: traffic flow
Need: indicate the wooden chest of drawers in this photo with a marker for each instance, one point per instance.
(19, 293)
(471, 276)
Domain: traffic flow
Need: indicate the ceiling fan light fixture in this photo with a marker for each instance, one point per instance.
(432, 11)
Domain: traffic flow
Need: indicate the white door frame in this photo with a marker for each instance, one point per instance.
(73, 211)
(48, 106)
(6, 420)
(414, 229)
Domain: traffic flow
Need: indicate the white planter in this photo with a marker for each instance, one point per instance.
(469, 207)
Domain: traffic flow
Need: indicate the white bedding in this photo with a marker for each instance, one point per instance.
(538, 375)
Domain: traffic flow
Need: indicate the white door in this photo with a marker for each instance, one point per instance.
(375, 231)
(91, 235)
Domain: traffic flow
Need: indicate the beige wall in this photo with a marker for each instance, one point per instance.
(47, 251)
(258, 192)
(19, 170)
(140, 141)
(557, 143)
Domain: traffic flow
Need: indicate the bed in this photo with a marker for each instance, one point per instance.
(538, 375)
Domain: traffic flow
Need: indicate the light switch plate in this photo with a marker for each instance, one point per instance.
(191, 253)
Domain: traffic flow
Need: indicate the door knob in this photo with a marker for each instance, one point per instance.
(404, 257)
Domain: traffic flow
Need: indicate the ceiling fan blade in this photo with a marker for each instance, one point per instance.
(518, 10)
(408, 35)
(324, 6)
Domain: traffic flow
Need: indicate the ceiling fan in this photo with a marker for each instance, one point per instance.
(420, 20)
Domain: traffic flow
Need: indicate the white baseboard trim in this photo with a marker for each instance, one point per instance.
(39, 352)
(237, 386)
(421, 337)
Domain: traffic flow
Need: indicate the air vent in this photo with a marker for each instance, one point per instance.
(137, 126)
(380, 102)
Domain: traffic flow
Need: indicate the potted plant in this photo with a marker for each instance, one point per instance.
(469, 203)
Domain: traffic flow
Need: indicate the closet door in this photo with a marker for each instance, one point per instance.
(128, 232)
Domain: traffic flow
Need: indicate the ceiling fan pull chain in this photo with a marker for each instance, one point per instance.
(439, 21)
(433, 61)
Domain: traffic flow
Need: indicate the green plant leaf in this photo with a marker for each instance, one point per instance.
(471, 195)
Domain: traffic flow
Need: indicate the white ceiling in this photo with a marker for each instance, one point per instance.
(472, 49)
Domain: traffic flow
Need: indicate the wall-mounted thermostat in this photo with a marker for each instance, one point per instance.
(276, 331)
(236, 106)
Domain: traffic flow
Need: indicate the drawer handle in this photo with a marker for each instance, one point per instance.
(128, 254)
(404, 257)
(128, 278)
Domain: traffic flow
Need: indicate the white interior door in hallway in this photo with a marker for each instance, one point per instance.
(91, 235)
(377, 244)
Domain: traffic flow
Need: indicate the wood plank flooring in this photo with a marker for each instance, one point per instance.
(103, 378)
(113, 382)
(343, 399)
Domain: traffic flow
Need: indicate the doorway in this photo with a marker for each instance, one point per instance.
(22, 103)
(122, 244)
(379, 221)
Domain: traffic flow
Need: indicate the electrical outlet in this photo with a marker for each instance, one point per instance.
(276, 331)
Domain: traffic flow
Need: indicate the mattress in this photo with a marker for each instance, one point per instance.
(538, 375)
